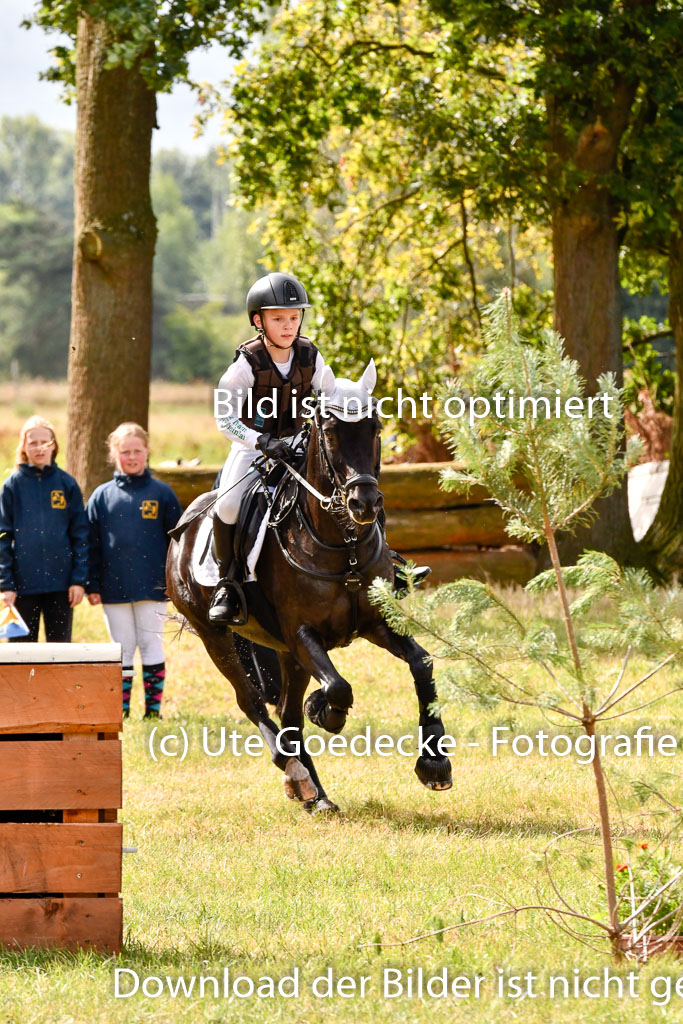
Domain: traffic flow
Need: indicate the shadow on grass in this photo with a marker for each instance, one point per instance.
(134, 954)
(405, 820)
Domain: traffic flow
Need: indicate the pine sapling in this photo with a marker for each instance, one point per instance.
(544, 450)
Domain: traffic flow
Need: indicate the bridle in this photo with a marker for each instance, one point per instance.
(340, 490)
(336, 505)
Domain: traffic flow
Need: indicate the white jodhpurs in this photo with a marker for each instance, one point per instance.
(236, 465)
(137, 624)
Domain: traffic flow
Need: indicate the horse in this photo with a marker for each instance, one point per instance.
(311, 595)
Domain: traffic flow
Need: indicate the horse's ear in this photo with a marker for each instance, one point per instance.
(369, 378)
(327, 382)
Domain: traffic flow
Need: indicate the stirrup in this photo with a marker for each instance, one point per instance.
(222, 610)
(418, 574)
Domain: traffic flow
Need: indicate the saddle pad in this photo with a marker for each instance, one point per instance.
(204, 564)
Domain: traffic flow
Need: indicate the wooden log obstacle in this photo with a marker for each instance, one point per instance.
(60, 790)
(457, 534)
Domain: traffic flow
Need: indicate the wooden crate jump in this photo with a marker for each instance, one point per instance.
(60, 790)
(457, 534)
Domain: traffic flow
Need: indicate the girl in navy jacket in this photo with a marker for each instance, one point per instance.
(43, 537)
(130, 517)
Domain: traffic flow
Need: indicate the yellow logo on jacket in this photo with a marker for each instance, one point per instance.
(150, 509)
(57, 499)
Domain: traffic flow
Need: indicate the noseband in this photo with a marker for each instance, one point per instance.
(338, 500)
(352, 577)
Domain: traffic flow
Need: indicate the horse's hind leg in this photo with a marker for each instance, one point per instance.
(432, 768)
(221, 649)
(294, 682)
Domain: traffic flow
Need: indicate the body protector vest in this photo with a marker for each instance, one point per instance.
(285, 394)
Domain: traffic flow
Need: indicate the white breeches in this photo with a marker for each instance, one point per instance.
(137, 624)
(237, 464)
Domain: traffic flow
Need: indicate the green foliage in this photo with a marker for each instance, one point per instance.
(393, 174)
(411, 149)
(544, 470)
(200, 283)
(648, 618)
(655, 877)
(35, 290)
(206, 257)
(545, 473)
(645, 371)
(201, 343)
(155, 35)
(203, 183)
(36, 167)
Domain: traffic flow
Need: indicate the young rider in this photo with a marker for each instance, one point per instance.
(277, 363)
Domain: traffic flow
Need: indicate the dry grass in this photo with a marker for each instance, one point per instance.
(230, 874)
(181, 420)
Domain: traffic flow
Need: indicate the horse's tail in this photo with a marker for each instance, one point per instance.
(262, 666)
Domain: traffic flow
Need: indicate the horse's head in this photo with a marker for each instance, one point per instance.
(347, 432)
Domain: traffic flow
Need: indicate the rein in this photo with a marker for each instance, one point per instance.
(336, 505)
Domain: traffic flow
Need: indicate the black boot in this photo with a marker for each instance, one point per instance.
(227, 601)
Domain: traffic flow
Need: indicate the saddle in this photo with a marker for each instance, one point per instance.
(278, 493)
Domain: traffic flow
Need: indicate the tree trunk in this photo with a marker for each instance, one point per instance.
(587, 294)
(664, 540)
(115, 232)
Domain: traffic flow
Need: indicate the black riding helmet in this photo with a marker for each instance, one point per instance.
(276, 291)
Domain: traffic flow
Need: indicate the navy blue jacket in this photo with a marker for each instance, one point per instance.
(130, 517)
(43, 531)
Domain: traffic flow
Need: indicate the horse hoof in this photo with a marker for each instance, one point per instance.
(321, 713)
(298, 783)
(433, 773)
(321, 805)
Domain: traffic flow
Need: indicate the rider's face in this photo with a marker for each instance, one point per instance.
(281, 325)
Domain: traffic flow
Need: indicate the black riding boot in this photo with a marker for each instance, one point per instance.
(225, 603)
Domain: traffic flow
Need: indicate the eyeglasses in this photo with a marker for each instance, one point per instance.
(33, 446)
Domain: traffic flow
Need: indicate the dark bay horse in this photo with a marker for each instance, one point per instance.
(314, 572)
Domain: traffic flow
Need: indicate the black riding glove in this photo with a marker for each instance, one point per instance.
(274, 447)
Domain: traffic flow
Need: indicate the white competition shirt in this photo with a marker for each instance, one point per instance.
(237, 380)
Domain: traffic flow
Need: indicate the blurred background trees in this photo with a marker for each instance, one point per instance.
(206, 256)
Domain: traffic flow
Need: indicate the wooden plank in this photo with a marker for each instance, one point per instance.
(60, 858)
(60, 698)
(68, 654)
(54, 776)
(513, 564)
(482, 526)
(66, 923)
(418, 486)
(188, 482)
(407, 485)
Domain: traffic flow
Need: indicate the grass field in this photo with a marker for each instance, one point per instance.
(229, 874)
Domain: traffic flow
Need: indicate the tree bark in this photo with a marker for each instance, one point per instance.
(663, 542)
(588, 311)
(115, 233)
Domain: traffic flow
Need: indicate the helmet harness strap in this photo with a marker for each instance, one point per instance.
(265, 337)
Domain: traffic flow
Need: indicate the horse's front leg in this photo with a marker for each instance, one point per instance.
(432, 768)
(221, 649)
(294, 682)
(328, 706)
